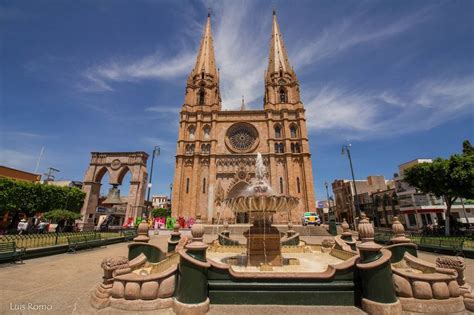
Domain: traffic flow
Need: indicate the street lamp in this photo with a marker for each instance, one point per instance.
(327, 195)
(331, 217)
(171, 193)
(347, 149)
(156, 152)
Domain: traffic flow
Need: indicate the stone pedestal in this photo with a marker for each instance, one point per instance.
(263, 245)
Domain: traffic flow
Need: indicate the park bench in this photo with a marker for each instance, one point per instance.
(94, 240)
(8, 251)
(76, 242)
(129, 234)
(83, 241)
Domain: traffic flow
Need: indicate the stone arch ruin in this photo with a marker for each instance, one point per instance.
(117, 165)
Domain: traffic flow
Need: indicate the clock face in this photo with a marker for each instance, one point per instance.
(281, 81)
(115, 164)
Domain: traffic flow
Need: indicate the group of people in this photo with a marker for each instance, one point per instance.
(37, 226)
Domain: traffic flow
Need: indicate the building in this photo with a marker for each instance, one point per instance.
(385, 207)
(419, 209)
(14, 173)
(216, 149)
(160, 201)
(64, 183)
(322, 208)
(344, 193)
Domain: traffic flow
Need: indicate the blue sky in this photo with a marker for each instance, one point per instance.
(395, 78)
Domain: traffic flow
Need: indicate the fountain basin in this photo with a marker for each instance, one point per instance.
(262, 203)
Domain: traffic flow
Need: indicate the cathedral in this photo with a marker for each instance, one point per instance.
(216, 149)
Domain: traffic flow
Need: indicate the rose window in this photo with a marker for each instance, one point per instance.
(242, 137)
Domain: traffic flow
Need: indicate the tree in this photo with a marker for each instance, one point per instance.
(61, 214)
(447, 178)
(34, 197)
(467, 148)
(161, 213)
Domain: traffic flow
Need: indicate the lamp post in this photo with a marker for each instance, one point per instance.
(156, 152)
(171, 193)
(327, 195)
(347, 149)
(331, 217)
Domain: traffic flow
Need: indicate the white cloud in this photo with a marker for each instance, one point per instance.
(154, 66)
(362, 115)
(345, 34)
(241, 45)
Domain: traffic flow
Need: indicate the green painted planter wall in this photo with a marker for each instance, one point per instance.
(192, 283)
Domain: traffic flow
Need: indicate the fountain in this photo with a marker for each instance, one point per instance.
(272, 268)
(260, 203)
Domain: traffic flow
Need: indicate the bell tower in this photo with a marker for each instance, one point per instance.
(281, 84)
(202, 86)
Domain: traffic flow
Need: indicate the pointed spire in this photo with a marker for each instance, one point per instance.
(205, 61)
(278, 58)
(242, 106)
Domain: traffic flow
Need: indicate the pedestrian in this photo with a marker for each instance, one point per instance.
(22, 226)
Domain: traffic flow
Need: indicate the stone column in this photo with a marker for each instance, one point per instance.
(378, 292)
(192, 292)
(92, 190)
(174, 238)
(347, 235)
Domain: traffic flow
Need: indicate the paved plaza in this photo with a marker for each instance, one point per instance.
(62, 284)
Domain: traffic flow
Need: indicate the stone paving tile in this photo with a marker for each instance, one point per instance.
(66, 282)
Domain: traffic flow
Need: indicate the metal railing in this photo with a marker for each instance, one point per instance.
(49, 239)
(467, 242)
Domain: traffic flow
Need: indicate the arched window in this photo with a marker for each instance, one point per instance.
(298, 184)
(201, 95)
(207, 132)
(293, 132)
(205, 148)
(276, 147)
(277, 132)
(187, 185)
(281, 185)
(292, 148)
(282, 148)
(297, 148)
(191, 130)
(203, 185)
(282, 93)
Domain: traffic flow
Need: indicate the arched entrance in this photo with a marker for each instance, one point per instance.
(117, 165)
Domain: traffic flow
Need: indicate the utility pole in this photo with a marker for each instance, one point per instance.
(156, 152)
(347, 149)
(49, 176)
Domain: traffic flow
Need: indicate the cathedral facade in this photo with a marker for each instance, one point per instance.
(216, 149)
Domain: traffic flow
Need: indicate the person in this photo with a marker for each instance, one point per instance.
(42, 227)
(22, 226)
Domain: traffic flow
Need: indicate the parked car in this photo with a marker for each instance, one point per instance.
(311, 218)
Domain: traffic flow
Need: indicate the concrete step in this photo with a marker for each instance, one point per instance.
(216, 309)
(282, 293)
